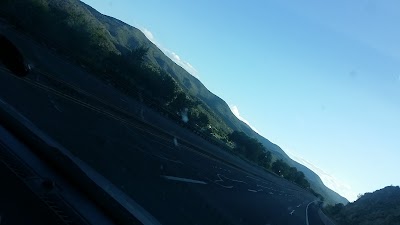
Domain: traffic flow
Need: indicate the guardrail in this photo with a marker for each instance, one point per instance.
(110, 199)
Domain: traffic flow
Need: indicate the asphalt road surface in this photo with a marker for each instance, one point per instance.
(172, 173)
(19, 205)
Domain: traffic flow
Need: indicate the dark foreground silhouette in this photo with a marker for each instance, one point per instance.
(12, 58)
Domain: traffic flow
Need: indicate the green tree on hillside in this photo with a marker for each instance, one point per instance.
(250, 148)
(291, 173)
(203, 120)
(181, 101)
(264, 159)
(281, 168)
(137, 55)
(301, 180)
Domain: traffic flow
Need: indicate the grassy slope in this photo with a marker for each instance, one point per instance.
(116, 36)
(380, 207)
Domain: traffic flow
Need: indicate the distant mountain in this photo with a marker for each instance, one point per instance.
(380, 207)
(99, 35)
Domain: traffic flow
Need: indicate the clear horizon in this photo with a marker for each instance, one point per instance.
(326, 76)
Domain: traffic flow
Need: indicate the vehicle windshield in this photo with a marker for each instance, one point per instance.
(199, 112)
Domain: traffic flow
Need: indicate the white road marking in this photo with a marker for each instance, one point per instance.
(291, 213)
(58, 108)
(54, 103)
(251, 190)
(307, 212)
(184, 180)
(238, 181)
(175, 142)
(171, 160)
(263, 186)
(229, 187)
(220, 180)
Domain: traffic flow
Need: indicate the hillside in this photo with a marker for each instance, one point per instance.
(130, 37)
(380, 207)
(122, 55)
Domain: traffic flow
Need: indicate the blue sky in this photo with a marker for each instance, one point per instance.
(319, 78)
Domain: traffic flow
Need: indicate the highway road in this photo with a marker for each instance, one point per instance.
(174, 174)
(16, 200)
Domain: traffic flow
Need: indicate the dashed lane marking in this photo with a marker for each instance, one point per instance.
(184, 180)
